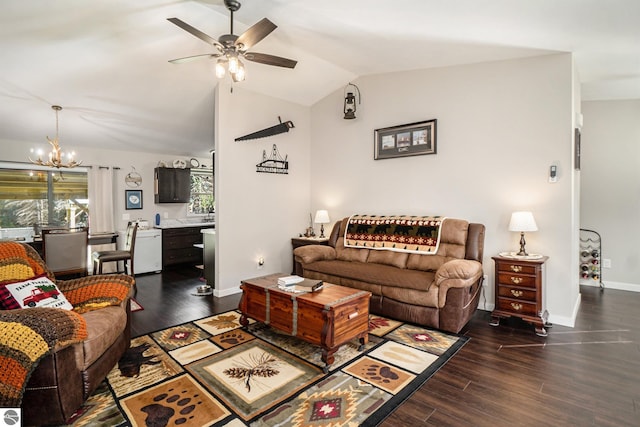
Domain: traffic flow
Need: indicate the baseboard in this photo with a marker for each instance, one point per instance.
(226, 292)
(564, 320)
(621, 286)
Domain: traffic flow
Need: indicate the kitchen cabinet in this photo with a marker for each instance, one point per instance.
(171, 185)
(178, 246)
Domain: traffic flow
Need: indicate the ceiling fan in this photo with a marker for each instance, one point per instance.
(232, 48)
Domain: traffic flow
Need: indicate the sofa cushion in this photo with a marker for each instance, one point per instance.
(422, 298)
(103, 327)
(394, 259)
(375, 274)
(452, 246)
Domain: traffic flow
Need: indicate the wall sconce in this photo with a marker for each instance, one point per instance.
(522, 221)
(322, 218)
(350, 102)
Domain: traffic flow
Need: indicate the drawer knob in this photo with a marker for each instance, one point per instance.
(516, 280)
(516, 306)
(516, 268)
(516, 293)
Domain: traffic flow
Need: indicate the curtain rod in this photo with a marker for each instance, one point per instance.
(104, 167)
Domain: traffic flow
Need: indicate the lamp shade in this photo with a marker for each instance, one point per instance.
(522, 221)
(322, 217)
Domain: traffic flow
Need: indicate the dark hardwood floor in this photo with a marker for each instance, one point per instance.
(504, 376)
(167, 300)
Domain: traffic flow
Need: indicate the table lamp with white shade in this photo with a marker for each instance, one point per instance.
(522, 221)
(322, 218)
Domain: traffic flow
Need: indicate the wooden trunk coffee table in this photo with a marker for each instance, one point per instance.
(328, 318)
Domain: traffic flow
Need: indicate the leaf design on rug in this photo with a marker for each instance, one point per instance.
(260, 366)
(377, 322)
(223, 322)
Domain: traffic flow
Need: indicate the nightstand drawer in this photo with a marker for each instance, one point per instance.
(516, 306)
(517, 293)
(516, 268)
(510, 279)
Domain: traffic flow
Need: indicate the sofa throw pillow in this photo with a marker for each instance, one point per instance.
(36, 292)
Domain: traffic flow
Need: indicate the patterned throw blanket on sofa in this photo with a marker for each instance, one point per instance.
(26, 336)
(401, 233)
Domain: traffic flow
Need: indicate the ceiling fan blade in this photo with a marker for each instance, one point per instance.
(193, 58)
(256, 33)
(194, 31)
(264, 58)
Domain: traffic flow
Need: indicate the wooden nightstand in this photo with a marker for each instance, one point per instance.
(518, 291)
(296, 242)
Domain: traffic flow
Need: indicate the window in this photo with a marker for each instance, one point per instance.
(202, 196)
(30, 197)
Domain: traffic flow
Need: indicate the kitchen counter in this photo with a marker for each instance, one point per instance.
(181, 223)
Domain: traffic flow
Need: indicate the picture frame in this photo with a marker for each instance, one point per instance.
(132, 199)
(412, 139)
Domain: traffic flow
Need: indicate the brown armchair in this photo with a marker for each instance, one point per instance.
(80, 346)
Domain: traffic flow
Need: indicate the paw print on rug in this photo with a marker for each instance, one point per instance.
(380, 373)
(167, 405)
(232, 338)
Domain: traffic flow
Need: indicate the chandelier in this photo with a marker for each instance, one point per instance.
(56, 155)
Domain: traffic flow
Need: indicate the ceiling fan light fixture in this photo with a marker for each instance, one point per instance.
(234, 63)
(220, 68)
(240, 74)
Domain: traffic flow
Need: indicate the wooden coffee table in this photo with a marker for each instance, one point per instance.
(328, 318)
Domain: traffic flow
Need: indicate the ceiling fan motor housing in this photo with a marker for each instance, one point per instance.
(232, 5)
(228, 40)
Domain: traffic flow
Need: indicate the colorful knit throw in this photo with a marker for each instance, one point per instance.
(93, 292)
(18, 263)
(26, 336)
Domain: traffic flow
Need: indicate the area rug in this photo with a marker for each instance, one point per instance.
(213, 372)
(135, 305)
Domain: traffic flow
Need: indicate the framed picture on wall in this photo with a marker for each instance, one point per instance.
(412, 139)
(133, 199)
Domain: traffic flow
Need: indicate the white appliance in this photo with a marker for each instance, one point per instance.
(147, 257)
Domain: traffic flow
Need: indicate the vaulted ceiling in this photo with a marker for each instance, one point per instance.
(106, 61)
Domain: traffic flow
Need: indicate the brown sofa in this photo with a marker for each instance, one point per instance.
(440, 291)
(72, 368)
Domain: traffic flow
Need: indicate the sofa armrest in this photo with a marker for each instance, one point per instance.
(93, 292)
(312, 253)
(457, 273)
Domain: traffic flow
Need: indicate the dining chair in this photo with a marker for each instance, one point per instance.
(125, 255)
(65, 250)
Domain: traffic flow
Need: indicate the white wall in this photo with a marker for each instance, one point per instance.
(610, 202)
(500, 126)
(257, 214)
(144, 163)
